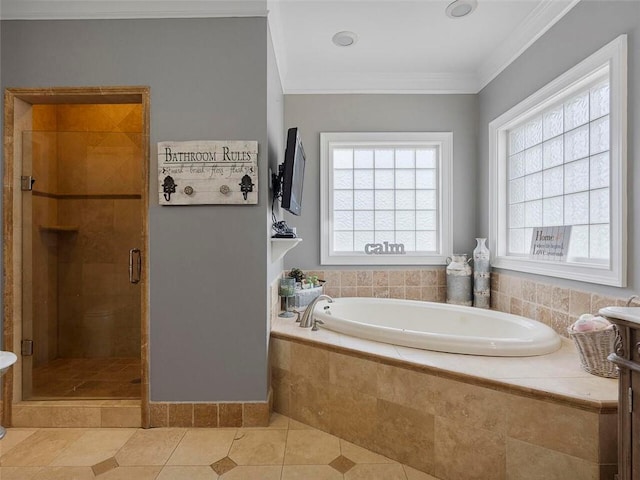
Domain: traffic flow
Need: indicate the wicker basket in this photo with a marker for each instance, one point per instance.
(594, 347)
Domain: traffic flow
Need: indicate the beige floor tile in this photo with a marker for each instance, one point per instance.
(310, 472)
(13, 437)
(202, 447)
(310, 447)
(278, 421)
(376, 472)
(257, 473)
(64, 473)
(259, 447)
(295, 425)
(413, 474)
(41, 448)
(94, 447)
(69, 454)
(132, 473)
(18, 473)
(187, 473)
(361, 455)
(150, 447)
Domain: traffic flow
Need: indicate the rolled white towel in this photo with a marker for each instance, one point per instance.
(588, 323)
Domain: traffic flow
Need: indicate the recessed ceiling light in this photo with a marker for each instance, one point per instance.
(461, 8)
(345, 39)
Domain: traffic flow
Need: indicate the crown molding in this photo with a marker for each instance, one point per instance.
(536, 24)
(276, 28)
(543, 17)
(368, 82)
(118, 9)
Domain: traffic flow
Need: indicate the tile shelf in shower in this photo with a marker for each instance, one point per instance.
(59, 228)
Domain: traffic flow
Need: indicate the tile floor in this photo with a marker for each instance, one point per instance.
(94, 378)
(286, 450)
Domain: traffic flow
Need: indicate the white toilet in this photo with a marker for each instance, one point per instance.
(6, 360)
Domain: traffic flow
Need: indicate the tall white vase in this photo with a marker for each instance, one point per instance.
(481, 275)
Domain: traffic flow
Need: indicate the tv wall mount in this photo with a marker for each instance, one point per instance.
(280, 227)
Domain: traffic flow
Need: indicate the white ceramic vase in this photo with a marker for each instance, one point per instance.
(481, 275)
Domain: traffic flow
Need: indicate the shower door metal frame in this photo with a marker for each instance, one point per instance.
(17, 107)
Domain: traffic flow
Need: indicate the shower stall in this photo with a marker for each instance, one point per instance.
(82, 227)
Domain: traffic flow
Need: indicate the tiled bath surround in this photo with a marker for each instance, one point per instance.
(438, 422)
(550, 304)
(546, 302)
(428, 284)
(451, 425)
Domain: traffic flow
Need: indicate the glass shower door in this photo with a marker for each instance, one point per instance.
(81, 218)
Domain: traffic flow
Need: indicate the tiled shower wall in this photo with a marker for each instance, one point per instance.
(544, 301)
(92, 173)
(99, 309)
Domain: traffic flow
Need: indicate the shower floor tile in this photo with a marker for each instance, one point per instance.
(94, 378)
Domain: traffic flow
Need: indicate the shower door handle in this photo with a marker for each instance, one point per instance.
(135, 265)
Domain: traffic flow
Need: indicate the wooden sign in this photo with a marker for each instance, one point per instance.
(550, 243)
(208, 172)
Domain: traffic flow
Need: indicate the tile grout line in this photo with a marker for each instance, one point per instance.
(284, 453)
(174, 449)
(235, 434)
(123, 445)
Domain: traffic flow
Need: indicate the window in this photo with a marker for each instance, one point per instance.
(385, 198)
(559, 159)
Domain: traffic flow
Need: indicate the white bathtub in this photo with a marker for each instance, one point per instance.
(438, 326)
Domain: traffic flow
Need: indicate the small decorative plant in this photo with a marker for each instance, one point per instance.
(306, 281)
(313, 280)
(297, 274)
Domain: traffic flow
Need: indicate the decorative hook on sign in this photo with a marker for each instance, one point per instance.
(246, 186)
(168, 187)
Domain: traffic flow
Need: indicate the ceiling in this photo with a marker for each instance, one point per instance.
(402, 47)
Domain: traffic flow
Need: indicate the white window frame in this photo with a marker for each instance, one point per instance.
(615, 56)
(443, 141)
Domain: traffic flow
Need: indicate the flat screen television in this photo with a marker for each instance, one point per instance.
(292, 173)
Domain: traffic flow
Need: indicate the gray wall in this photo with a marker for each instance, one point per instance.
(208, 264)
(382, 113)
(585, 29)
(276, 133)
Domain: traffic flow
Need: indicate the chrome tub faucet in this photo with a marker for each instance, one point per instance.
(306, 320)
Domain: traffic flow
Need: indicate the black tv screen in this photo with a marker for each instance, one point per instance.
(293, 173)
